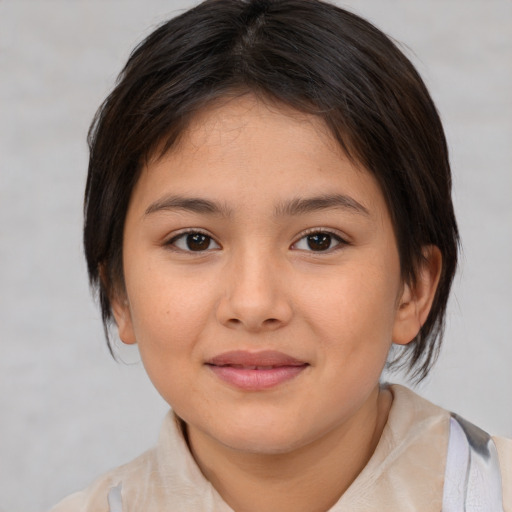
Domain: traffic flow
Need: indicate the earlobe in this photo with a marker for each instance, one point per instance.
(120, 307)
(416, 299)
(123, 318)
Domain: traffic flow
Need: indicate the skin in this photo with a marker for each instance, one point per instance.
(256, 285)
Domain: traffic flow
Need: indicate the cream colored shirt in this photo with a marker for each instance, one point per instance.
(405, 473)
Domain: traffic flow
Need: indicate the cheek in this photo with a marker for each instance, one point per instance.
(168, 320)
(355, 300)
(168, 310)
(353, 315)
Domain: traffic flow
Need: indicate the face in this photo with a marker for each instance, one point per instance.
(262, 278)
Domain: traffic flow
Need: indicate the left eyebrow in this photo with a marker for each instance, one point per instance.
(301, 206)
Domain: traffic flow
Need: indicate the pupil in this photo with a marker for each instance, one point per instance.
(198, 242)
(319, 241)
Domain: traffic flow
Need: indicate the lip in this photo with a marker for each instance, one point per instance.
(254, 371)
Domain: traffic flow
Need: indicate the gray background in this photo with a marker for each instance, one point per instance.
(68, 411)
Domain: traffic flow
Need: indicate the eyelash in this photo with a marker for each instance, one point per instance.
(171, 244)
(341, 242)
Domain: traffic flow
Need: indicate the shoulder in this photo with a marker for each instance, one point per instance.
(411, 411)
(164, 478)
(504, 448)
(475, 461)
(95, 497)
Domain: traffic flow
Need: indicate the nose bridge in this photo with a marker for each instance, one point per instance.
(255, 296)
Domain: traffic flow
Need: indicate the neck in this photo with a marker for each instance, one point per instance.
(310, 478)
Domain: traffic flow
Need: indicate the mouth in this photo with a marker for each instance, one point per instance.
(255, 371)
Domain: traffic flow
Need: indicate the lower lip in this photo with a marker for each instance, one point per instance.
(256, 380)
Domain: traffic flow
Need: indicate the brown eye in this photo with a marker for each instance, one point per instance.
(198, 242)
(319, 241)
(194, 241)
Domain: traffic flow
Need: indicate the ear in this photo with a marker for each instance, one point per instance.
(416, 299)
(123, 318)
(120, 308)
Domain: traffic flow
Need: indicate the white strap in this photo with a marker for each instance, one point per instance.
(115, 501)
(472, 476)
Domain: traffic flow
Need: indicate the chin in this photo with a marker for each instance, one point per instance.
(259, 445)
(265, 438)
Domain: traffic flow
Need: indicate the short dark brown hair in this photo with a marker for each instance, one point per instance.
(307, 54)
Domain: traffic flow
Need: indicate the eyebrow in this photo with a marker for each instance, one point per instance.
(297, 206)
(301, 206)
(191, 204)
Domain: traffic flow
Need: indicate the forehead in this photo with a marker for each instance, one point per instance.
(223, 120)
(248, 152)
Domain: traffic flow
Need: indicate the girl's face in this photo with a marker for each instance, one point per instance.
(262, 279)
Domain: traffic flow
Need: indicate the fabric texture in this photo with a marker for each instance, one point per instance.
(472, 479)
(405, 473)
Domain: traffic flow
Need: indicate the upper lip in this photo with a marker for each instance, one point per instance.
(264, 358)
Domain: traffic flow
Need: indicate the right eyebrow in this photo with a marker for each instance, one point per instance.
(191, 204)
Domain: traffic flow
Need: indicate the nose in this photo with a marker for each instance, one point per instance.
(255, 295)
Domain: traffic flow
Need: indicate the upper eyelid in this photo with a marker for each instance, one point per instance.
(329, 231)
(341, 242)
(169, 241)
(188, 231)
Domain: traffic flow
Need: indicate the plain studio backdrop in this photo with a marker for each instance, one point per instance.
(69, 412)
